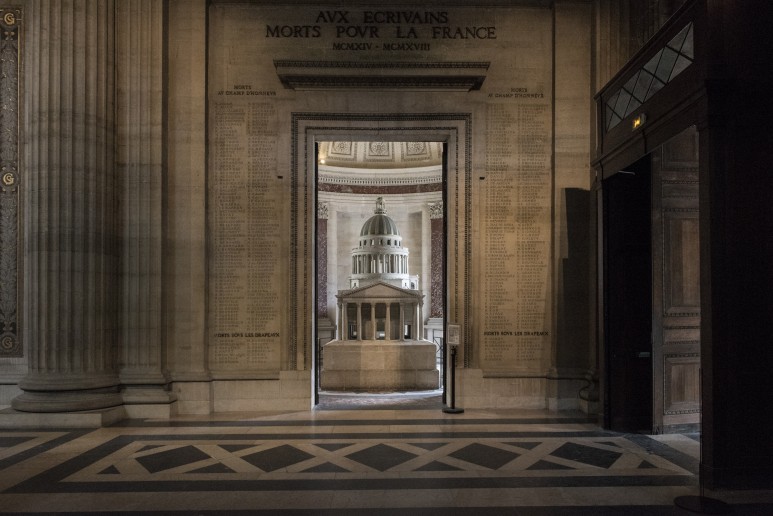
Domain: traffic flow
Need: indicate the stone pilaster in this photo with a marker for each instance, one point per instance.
(437, 289)
(185, 265)
(72, 246)
(139, 134)
(322, 214)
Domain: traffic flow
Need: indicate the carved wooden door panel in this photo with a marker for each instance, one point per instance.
(676, 285)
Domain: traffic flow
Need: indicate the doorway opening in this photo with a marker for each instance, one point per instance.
(628, 298)
(652, 306)
(380, 273)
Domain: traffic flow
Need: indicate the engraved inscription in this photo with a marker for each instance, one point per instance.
(245, 235)
(516, 241)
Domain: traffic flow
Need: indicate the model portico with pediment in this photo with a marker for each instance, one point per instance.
(379, 344)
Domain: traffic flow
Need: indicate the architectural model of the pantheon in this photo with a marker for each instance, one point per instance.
(379, 345)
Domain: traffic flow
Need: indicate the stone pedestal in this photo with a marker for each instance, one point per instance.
(377, 365)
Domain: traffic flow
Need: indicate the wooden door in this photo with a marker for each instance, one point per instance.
(676, 285)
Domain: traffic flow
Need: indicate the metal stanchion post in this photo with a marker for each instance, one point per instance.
(452, 409)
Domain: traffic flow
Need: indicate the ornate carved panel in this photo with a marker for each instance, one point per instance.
(10, 218)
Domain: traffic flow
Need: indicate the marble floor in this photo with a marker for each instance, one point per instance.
(361, 455)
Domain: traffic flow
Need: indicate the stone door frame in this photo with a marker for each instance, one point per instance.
(455, 131)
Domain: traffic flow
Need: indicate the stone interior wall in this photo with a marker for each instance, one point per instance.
(210, 262)
(530, 146)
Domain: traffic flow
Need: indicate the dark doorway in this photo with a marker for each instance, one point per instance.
(628, 298)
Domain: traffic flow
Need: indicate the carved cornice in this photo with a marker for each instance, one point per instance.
(380, 180)
(344, 75)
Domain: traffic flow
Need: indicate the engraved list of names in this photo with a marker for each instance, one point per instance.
(516, 237)
(244, 215)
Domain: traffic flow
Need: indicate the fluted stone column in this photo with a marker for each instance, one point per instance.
(139, 134)
(373, 320)
(417, 322)
(388, 323)
(360, 322)
(344, 321)
(402, 321)
(71, 240)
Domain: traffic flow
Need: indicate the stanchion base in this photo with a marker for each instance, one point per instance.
(452, 410)
(702, 505)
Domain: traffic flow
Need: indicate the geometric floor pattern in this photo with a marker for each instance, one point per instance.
(144, 458)
(373, 462)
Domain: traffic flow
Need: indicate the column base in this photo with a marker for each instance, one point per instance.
(67, 401)
(143, 402)
(10, 418)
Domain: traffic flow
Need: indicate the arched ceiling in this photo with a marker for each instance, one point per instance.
(390, 165)
(380, 155)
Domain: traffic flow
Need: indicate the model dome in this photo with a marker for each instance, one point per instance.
(380, 255)
(379, 224)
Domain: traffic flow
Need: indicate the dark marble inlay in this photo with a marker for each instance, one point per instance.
(587, 455)
(172, 458)
(526, 445)
(277, 458)
(438, 466)
(428, 446)
(214, 468)
(381, 457)
(332, 446)
(543, 464)
(150, 447)
(327, 467)
(6, 441)
(23, 455)
(486, 456)
(235, 447)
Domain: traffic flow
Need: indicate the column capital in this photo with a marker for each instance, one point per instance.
(323, 209)
(435, 210)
